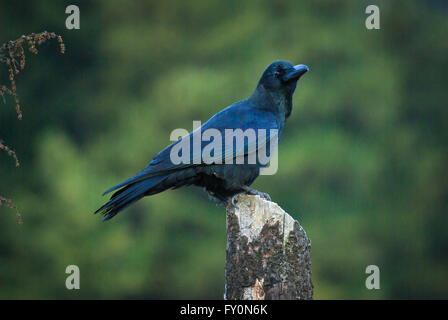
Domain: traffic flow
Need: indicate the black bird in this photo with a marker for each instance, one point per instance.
(224, 178)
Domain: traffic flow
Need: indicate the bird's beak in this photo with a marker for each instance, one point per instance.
(296, 72)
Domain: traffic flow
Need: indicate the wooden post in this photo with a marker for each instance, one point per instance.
(268, 253)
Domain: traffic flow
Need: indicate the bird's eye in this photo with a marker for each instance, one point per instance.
(279, 72)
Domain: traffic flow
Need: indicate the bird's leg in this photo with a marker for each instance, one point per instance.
(254, 192)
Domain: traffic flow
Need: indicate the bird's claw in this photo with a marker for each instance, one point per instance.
(254, 192)
(265, 195)
(234, 200)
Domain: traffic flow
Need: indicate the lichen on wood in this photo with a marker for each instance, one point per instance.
(268, 253)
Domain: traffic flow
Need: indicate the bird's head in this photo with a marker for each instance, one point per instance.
(282, 76)
(277, 85)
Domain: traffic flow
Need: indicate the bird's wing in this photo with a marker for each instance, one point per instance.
(238, 116)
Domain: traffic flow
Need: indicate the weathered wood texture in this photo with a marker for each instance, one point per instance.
(268, 253)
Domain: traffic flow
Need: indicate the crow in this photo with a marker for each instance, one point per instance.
(225, 177)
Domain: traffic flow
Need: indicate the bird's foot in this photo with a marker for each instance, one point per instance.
(234, 200)
(250, 191)
(254, 192)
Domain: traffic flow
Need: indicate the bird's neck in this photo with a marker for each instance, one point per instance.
(274, 101)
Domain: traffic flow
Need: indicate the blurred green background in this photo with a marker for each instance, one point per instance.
(362, 163)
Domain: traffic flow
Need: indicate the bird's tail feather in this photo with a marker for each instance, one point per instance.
(129, 194)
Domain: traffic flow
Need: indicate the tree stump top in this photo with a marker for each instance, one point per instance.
(268, 253)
